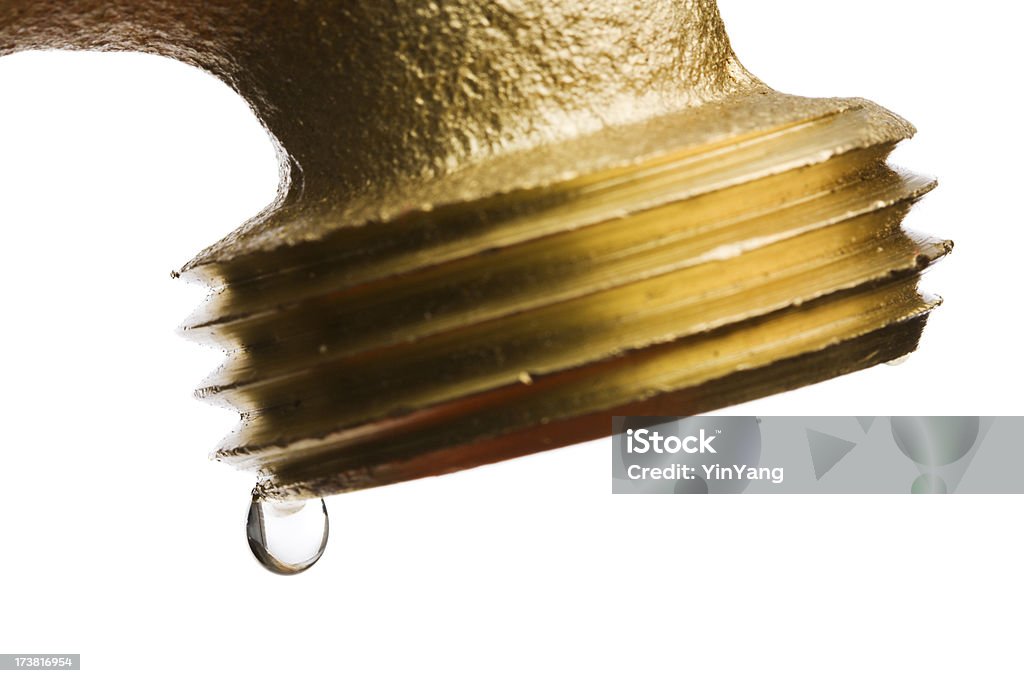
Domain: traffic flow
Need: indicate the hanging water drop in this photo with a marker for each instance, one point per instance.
(287, 537)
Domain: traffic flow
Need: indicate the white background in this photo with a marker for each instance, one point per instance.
(119, 540)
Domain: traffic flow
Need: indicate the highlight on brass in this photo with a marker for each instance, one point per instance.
(499, 226)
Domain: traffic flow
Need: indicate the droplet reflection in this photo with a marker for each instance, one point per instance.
(287, 537)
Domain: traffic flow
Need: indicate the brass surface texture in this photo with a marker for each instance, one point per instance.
(500, 223)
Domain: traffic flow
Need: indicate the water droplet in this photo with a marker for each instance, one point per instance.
(899, 361)
(287, 537)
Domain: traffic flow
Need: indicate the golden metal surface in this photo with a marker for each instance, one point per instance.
(500, 223)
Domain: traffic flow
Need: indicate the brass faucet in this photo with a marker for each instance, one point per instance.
(500, 223)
